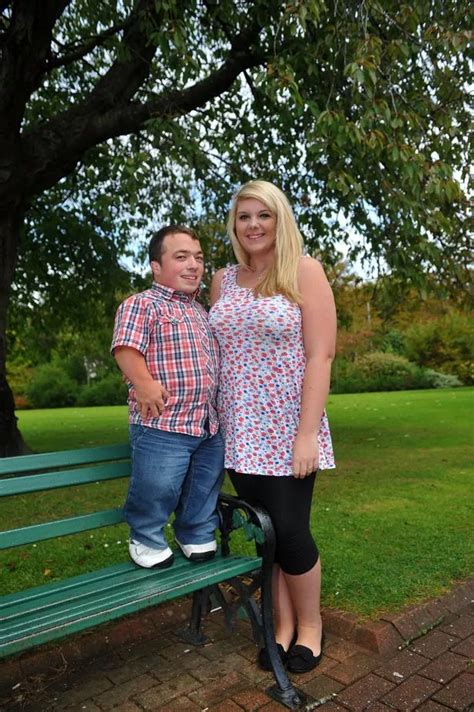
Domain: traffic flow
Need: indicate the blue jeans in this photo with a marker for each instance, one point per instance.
(173, 472)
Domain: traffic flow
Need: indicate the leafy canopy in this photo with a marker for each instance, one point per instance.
(359, 111)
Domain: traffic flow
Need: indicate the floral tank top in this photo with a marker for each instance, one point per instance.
(260, 381)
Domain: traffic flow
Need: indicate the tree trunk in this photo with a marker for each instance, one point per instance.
(11, 441)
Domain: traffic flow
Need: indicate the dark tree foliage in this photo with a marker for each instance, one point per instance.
(117, 114)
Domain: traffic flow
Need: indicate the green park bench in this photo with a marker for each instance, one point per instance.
(49, 612)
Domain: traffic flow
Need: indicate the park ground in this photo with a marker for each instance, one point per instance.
(394, 527)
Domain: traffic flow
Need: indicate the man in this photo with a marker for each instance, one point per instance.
(166, 350)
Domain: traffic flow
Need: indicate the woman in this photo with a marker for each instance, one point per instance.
(274, 317)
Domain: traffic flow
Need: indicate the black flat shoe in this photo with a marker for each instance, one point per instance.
(301, 659)
(263, 657)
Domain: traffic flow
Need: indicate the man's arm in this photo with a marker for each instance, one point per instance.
(151, 395)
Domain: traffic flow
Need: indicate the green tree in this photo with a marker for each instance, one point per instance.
(356, 109)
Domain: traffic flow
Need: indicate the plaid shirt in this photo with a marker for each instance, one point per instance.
(170, 329)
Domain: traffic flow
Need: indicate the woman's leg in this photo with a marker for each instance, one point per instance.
(304, 591)
(297, 573)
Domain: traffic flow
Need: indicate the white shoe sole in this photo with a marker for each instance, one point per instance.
(198, 552)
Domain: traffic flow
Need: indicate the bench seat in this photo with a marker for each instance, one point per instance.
(42, 614)
(54, 610)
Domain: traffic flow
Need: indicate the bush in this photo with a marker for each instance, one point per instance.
(393, 342)
(395, 371)
(380, 371)
(51, 387)
(377, 371)
(74, 367)
(445, 344)
(19, 376)
(435, 379)
(110, 390)
(383, 364)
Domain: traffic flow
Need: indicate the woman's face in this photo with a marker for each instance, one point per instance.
(255, 227)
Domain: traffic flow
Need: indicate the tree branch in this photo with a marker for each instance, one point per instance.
(73, 53)
(125, 76)
(26, 44)
(54, 149)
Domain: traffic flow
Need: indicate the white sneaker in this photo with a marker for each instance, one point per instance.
(198, 552)
(147, 558)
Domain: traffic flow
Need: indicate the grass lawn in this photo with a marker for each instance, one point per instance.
(393, 523)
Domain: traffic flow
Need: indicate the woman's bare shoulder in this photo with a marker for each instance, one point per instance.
(310, 268)
(219, 274)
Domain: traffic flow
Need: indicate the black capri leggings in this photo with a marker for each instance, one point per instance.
(288, 502)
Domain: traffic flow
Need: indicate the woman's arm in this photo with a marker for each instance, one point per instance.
(319, 336)
(216, 286)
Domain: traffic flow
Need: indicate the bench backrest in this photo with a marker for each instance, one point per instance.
(35, 473)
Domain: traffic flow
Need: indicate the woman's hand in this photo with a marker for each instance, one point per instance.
(305, 455)
(151, 398)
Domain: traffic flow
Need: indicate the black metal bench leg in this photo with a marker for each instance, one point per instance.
(284, 691)
(192, 633)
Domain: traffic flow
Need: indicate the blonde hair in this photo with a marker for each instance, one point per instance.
(282, 277)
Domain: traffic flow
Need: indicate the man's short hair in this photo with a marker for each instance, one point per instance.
(155, 248)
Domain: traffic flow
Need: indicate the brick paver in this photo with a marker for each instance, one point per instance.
(251, 699)
(444, 668)
(91, 685)
(331, 707)
(466, 647)
(341, 649)
(226, 706)
(431, 706)
(463, 627)
(433, 644)
(353, 668)
(457, 694)
(380, 637)
(321, 687)
(179, 704)
(370, 689)
(402, 666)
(121, 693)
(409, 625)
(226, 687)
(411, 693)
(159, 672)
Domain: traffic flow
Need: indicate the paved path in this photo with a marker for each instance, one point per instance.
(140, 664)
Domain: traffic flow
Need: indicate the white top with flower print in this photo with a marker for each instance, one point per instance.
(261, 379)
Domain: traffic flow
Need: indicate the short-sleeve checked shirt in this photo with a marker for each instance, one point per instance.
(171, 330)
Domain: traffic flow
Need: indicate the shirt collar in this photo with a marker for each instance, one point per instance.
(171, 294)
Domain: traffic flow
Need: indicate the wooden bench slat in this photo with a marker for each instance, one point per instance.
(62, 527)
(20, 631)
(62, 458)
(63, 478)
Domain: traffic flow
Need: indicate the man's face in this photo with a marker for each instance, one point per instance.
(182, 263)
